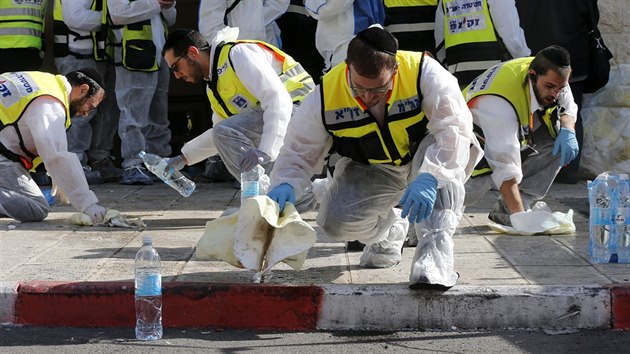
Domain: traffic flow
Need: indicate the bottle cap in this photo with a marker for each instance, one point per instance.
(147, 240)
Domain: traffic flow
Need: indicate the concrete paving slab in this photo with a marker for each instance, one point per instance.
(502, 277)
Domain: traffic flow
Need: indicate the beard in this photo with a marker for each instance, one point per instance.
(545, 101)
(74, 106)
(196, 74)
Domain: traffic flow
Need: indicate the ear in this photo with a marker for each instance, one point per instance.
(531, 74)
(83, 89)
(192, 51)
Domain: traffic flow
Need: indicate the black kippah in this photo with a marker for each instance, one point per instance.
(379, 39)
(558, 55)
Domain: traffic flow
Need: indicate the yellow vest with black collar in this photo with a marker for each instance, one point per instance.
(228, 95)
(356, 133)
(17, 92)
(509, 81)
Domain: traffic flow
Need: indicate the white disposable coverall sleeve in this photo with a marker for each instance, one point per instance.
(507, 24)
(304, 147)
(45, 122)
(251, 18)
(262, 81)
(502, 149)
(124, 12)
(450, 122)
(78, 16)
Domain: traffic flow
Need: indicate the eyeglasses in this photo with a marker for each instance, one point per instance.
(376, 90)
(175, 66)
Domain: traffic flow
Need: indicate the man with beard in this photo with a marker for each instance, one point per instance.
(35, 111)
(253, 87)
(524, 115)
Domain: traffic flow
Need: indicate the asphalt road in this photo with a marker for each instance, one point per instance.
(108, 340)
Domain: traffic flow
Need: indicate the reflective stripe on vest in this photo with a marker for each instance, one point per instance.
(509, 81)
(228, 95)
(21, 24)
(63, 34)
(357, 135)
(137, 51)
(412, 22)
(470, 39)
(19, 89)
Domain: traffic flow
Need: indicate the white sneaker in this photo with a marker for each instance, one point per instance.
(388, 252)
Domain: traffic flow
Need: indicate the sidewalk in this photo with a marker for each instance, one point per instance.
(53, 273)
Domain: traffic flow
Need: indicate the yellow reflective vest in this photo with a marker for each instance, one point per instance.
(509, 81)
(412, 22)
(22, 23)
(17, 91)
(99, 38)
(228, 95)
(136, 51)
(356, 133)
(470, 39)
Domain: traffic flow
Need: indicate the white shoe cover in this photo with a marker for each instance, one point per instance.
(433, 261)
(388, 252)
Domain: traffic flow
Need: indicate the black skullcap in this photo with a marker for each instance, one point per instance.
(557, 55)
(378, 38)
(93, 74)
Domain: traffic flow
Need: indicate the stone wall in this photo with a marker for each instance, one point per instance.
(614, 23)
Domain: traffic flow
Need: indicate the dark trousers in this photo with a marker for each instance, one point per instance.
(20, 59)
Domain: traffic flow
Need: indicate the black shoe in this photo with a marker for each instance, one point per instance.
(109, 172)
(354, 246)
(92, 176)
(215, 170)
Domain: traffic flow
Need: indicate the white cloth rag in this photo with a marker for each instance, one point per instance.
(257, 238)
(539, 220)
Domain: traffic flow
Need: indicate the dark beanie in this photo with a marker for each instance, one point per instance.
(379, 39)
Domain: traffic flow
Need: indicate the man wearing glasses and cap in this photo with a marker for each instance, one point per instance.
(402, 127)
(524, 114)
(253, 87)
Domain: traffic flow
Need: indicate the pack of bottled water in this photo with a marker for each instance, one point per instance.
(609, 222)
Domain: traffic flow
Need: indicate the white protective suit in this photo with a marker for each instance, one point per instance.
(254, 19)
(91, 137)
(43, 129)
(359, 201)
(142, 126)
(338, 21)
(500, 125)
(263, 127)
(506, 23)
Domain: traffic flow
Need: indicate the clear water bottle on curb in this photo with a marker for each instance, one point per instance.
(176, 179)
(622, 219)
(250, 183)
(148, 293)
(601, 219)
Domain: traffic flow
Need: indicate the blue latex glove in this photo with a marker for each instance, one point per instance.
(253, 157)
(281, 194)
(419, 198)
(176, 163)
(567, 145)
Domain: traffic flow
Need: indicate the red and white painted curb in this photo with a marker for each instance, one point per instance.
(326, 307)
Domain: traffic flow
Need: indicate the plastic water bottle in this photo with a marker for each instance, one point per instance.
(601, 219)
(250, 183)
(148, 292)
(176, 179)
(622, 219)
